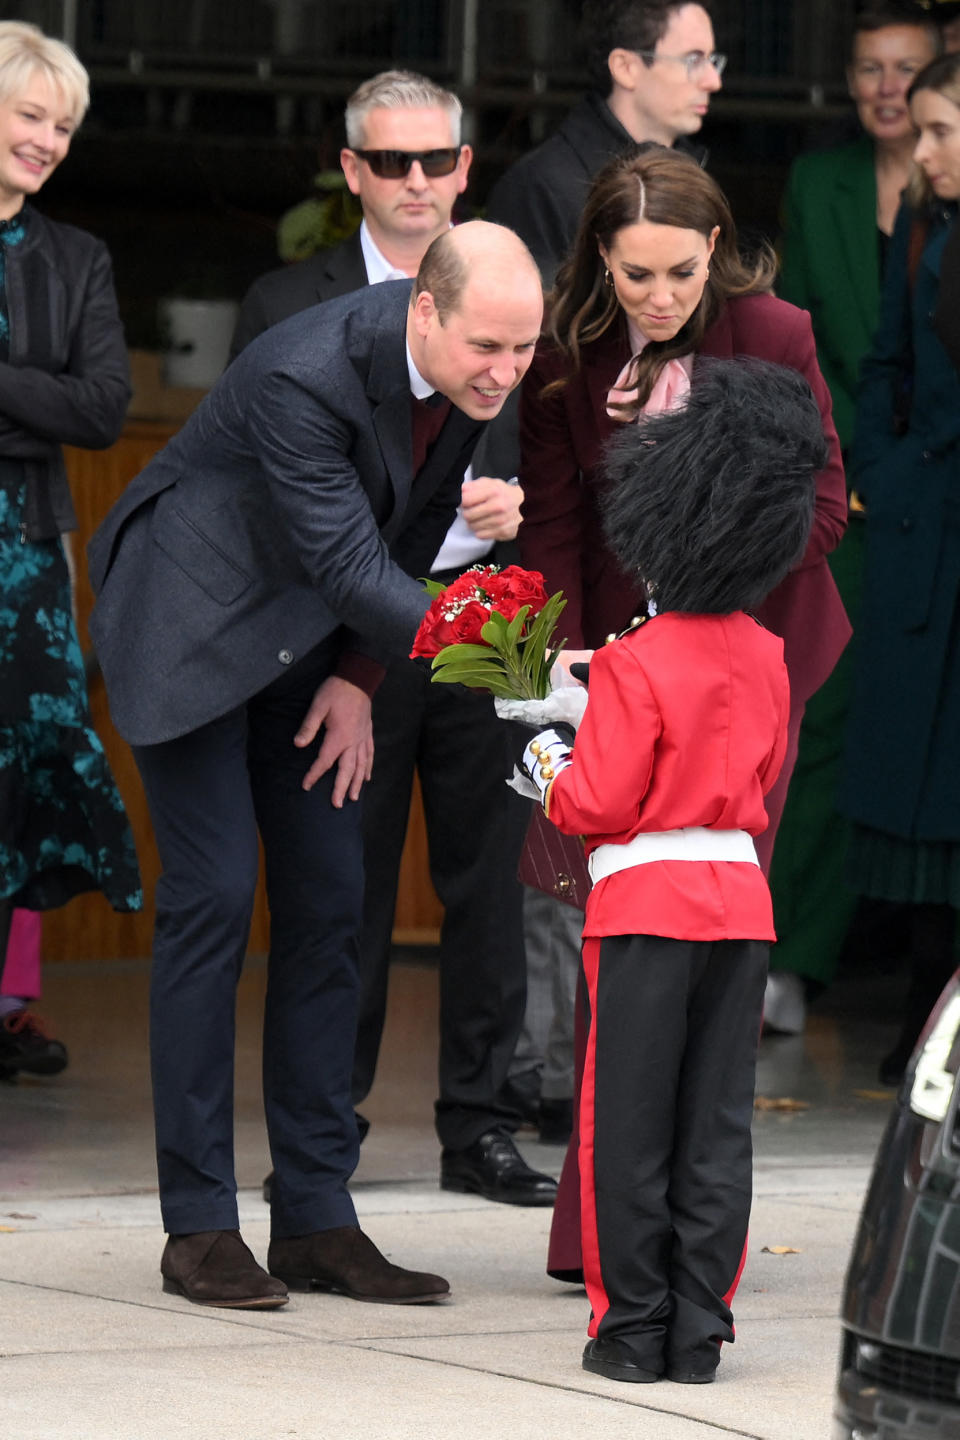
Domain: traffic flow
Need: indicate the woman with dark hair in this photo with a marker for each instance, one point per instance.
(655, 282)
(901, 782)
(64, 379)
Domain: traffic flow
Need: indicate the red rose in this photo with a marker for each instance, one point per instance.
(468, 624)
(436, 631)
(513, 588)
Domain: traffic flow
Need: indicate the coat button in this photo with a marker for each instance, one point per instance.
(906, 523)
(285, 657)
(925, 455)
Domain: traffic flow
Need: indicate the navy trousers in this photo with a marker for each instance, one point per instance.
(210, 792)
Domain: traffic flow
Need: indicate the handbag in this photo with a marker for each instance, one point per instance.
(553, 862)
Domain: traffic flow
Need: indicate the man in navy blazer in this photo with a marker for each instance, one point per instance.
(250, 582)
(420, 728)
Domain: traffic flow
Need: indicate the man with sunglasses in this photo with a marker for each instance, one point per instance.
(404, 160)
(653, 68)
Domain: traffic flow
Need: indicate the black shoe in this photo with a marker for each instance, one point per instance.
(616, 1361)
(25, 1045)
(692, 1377)
(493, 1167)
(363, 1126)
(556, 1122)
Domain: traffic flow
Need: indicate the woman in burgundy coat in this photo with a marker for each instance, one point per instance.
(655, 281)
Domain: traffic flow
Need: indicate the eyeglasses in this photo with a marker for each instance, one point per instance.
(695, 63)
(394, 164)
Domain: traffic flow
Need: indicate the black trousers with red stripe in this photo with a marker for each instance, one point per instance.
(665, 1147)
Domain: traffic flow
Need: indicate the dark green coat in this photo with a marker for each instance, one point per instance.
(902, 769)
(831, 262)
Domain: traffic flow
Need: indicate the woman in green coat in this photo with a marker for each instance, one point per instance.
(901, 781)
(839, 210)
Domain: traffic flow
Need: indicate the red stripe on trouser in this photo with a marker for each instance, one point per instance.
(592, 1277)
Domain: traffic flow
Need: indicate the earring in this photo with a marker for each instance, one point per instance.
(608, 278)
(707, 275)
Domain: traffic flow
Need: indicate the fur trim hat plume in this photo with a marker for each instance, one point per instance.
(711, 504)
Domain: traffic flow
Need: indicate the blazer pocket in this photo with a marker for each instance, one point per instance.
(198, 556)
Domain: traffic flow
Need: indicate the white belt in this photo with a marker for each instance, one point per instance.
(695, 842)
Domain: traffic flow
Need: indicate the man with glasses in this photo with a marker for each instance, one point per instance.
(653, 68)
(404, 160)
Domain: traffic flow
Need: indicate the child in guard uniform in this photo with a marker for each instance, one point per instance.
(684, 733)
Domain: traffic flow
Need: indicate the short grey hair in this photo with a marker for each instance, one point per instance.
(25, 51)
(398, 90)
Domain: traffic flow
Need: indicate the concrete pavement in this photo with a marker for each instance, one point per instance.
(91, 1348)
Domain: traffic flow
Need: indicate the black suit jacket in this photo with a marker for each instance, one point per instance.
(292, 288)
(266, 523)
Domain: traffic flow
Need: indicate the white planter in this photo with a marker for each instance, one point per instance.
(196, 340)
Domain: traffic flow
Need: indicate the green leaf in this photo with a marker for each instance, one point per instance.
(469, 652)
(432, 587)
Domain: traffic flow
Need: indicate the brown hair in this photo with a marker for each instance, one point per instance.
(664, 187)
(943, 76)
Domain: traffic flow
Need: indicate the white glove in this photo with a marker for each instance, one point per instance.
(546, 755)
(566, 703)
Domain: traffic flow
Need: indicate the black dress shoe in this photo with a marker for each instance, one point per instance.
(493, 1167)
(214, 1267)
(363, 1126)
(346, 1261)
(616, 1361)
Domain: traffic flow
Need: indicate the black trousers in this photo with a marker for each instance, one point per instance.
(210, 792)
(475, 829)
(665, 1145)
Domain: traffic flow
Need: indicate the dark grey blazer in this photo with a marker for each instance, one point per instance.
(264, 525)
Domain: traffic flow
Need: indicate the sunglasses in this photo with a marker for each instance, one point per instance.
(394, 164)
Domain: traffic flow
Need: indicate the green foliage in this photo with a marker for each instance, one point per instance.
(514, 664)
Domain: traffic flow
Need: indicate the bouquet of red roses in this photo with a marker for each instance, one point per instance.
(490, 629)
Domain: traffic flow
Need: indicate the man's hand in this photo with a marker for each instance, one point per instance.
(491, 507)
(344, 711)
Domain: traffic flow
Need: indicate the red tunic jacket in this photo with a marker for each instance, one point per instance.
(562, 438)
(686, 725)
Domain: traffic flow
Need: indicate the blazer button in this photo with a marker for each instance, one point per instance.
(285, 657)
(925, 455)
(906, 524)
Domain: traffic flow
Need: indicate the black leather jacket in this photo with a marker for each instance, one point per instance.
(67, 380)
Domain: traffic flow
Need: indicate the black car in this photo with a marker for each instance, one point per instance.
(900, 1357)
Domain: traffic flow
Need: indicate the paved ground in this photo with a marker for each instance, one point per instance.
(91, 1349)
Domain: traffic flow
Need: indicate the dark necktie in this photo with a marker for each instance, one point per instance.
(428, 418)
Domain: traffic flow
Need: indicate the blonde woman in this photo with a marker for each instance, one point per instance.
(63, 380)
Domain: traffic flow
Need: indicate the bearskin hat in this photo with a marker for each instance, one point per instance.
(711, 504)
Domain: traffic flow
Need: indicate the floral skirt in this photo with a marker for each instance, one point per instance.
(62, 825)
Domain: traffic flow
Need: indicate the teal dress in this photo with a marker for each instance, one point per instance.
(62, 825)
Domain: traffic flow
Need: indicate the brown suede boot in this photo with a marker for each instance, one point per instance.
(214, 1267)
(347, 1261)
